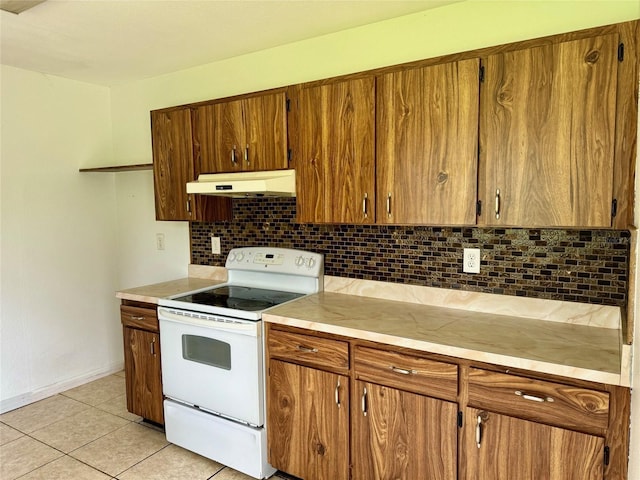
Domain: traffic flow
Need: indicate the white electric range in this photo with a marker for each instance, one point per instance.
(213, 355)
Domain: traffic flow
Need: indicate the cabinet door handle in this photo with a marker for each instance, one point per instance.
(533, 398)
(364, 206)
(234, 160)
(338, 393)
(389, 204)
(364, 401)
(497, 203)
(189, 207)
(403, 371)
(152, 347)
(246, 154)
(304, 349)
(479, 431)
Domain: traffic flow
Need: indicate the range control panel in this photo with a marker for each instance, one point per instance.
(276, 260)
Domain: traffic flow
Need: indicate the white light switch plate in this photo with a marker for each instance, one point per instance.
(471, 260)
(215, 245)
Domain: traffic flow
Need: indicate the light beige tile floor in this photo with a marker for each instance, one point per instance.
(86, 433)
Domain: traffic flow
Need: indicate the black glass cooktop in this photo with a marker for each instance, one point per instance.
(240, 298)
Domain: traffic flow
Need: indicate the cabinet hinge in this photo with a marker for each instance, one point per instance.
(606, 455)
(621, 52)
(459, 419)
(288, 104)
(614, 207)
(481, 73)
(479, 208)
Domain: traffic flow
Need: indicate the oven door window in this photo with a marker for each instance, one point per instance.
(208, 351)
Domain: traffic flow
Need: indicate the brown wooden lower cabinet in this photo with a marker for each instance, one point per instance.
(398, 434)
(415, 415)
(308, 431)
(142, 361)
(500, 447)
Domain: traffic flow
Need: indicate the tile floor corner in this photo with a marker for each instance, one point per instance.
(86, 433)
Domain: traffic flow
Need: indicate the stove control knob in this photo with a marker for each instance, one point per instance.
(311, 262)
(232, 257)
(299, 261)
(239, 256)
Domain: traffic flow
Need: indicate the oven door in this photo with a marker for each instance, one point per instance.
(214, 363)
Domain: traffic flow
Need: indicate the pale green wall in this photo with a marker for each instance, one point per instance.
(454, 28)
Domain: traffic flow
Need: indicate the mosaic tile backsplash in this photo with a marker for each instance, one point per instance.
(589, 266)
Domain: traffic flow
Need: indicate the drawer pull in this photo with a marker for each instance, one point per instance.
(403, 371)
(364, 401)
(304, 349)
(533, 398)
(138, 318)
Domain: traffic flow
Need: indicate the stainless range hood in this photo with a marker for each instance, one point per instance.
(272, 183)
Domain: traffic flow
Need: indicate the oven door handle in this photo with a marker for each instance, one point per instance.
(249, 328)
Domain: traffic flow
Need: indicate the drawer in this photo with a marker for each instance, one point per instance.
(315, 351)
(137, 317)
(538, 400)
(407, 372)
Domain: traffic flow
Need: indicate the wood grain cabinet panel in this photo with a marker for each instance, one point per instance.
(334, 152)
(408, 372)
(308, 422)
(542, 401)
(142, 363)
(547, 134)
(427, 141)
(402, 435)
(500, 447)
(309, 349)
(248, 134)
(174, 165)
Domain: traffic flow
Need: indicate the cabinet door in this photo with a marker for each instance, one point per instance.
(265, 144)
(308, 422)
(172, 163)
(335, 158)
(397, 434)
(547, 125)
(514, 449)
(426, 160)
(220, 137)
(143, 374)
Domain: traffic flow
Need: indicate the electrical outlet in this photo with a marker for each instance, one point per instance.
(159, 241)
(471, 260)
(215, 245)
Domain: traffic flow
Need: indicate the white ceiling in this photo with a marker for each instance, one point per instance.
(110, 42)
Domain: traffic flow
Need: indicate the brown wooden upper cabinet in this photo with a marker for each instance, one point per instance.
(333, 151)
(247, 134)
(547, 134)
(427, 140)
(174, 166)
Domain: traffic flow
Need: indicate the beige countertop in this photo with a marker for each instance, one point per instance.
(561, 338)
(572, 350)
(199, 277)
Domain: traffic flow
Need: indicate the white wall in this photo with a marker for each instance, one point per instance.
(58, 314)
